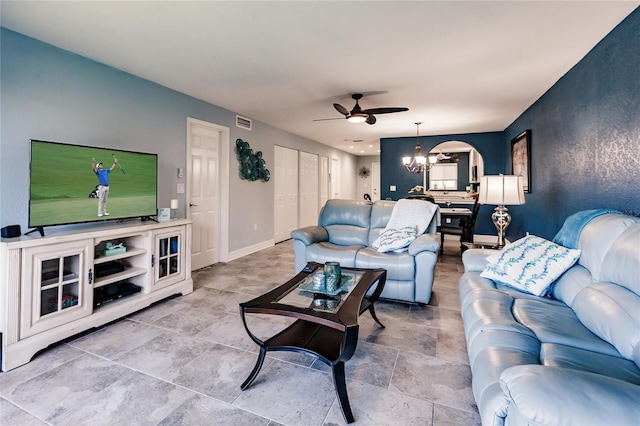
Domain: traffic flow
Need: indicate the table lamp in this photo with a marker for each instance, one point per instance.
(501, 190)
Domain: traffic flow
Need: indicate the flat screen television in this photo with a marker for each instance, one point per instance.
(64, 189)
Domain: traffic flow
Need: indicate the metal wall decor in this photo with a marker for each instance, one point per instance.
(364, 172)
(252, 166)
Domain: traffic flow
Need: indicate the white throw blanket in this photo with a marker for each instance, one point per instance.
(417, 213)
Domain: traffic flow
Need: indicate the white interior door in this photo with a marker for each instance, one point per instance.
(205, 142)
(335, 178)
(375, 181)
(285, 201)
(308, 189)
(324, 180)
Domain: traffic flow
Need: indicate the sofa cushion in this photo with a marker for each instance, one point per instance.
(394, 239)
(622, 263)
(530, 264)
(579, 359)
(598, 236)
(542, 395)
(571, 283)
(612, 313)
(554, 323)
(346, 221)
(399, 266)
(328, 252)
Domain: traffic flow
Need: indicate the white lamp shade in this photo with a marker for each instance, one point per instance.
(501, 190)
(174, 204)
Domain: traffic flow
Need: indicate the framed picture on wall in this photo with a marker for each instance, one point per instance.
(521, 158)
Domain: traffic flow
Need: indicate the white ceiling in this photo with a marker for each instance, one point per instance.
(459, 66)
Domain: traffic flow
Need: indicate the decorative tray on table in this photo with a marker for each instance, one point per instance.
(307, 285)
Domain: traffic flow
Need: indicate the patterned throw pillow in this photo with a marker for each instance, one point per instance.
(530, 264)
(394, 239)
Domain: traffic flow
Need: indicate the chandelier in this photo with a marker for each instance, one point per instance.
(418, 163)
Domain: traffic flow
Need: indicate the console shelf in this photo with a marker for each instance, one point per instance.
(48, 284)
(120, 276)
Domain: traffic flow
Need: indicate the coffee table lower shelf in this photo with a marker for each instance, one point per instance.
(331, 338)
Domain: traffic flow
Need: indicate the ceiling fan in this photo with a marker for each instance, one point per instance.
(359, 115)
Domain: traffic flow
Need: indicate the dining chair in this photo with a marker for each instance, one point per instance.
(464, 229)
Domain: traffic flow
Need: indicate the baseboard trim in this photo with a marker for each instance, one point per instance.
(237, 254)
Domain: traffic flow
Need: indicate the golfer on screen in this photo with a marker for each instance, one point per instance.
(103, 184)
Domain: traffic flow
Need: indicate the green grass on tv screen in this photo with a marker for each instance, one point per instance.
(62, 183)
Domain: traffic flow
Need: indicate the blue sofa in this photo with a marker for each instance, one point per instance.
(345, 232)
(570, 358)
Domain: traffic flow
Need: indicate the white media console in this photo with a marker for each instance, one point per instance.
(57, 286)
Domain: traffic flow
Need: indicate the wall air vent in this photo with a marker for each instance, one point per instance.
(243, 122)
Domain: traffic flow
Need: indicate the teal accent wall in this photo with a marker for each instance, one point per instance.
(490, 145)
(585, 142)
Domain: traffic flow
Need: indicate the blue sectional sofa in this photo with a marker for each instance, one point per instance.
(571, 357)
(345, 233)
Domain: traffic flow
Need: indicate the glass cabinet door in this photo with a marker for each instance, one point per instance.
(54, 289)
(169, 258)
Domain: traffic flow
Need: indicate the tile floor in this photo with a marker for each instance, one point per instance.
(181, 362)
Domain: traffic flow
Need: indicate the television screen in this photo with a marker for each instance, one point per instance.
(65, 186)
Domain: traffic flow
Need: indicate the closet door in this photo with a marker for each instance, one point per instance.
(309, 189)
(286, 193)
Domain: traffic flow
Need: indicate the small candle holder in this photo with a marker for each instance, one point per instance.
(333, 274)
(174, 209)
(318, 281)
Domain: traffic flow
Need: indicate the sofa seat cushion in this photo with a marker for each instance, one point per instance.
(329, 252)
(491, 310)
(542, 395)
(504, 340)
(579, 359)
(399, 266)
(553, 323)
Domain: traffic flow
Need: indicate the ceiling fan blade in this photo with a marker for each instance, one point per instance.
(371, 119)
(342, 110)
(387, 110)
(327, 119)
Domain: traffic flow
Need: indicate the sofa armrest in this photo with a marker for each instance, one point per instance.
(544, 395)
(475, 260)
(310, 234)
(424, 242)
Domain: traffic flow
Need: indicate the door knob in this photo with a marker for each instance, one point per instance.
(193, 205)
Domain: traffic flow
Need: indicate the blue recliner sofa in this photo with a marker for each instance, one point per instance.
(571, 357)
(345, 233)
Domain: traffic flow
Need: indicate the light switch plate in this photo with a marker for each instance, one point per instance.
(392, 188)
(180, 188)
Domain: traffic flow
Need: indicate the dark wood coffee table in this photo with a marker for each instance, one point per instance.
(325, 327)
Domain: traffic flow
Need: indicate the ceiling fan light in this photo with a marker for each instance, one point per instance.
(357, 118)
